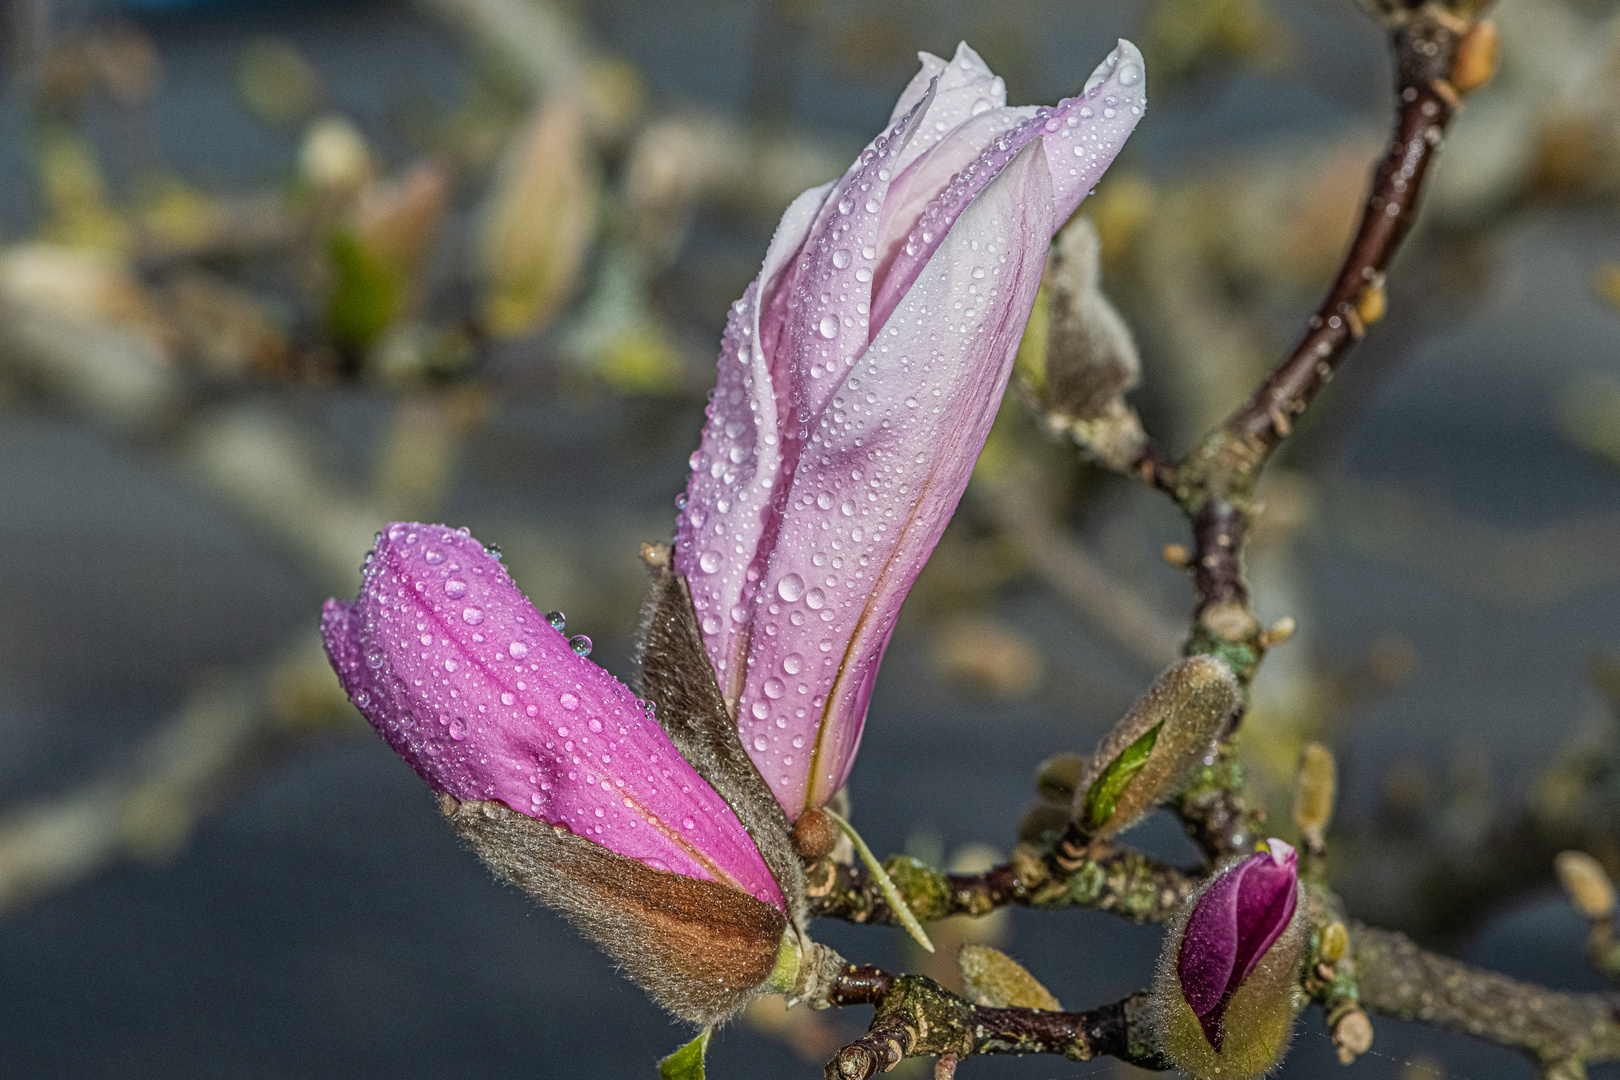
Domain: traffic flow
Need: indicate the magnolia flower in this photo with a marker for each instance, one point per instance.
(858, 378)
(1225, 993)
(554, 771)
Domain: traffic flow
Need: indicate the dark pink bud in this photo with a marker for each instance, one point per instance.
(1232, 926)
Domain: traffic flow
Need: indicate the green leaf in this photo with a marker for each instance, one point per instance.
(1105, 791)
(364, 293)
(897, 902)
(687, 1062)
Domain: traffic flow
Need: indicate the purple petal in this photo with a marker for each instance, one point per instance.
(485, 700)
(881, 472)
(734, 471)
(967, 88)
(1265, 903)
(1082, 136)
(1235, 921)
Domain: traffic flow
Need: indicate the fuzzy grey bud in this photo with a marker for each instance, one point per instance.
(1154, 748)
(1091, 358)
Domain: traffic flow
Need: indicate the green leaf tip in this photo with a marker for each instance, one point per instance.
(1103, 796)
(897, 902)
(687, 1062)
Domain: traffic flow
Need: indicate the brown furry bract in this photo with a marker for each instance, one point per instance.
(699, 948)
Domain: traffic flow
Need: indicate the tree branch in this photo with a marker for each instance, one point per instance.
(1399, 979)
(1124, 882)
(917, 1017)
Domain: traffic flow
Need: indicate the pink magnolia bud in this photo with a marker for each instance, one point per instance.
(1226, 988)
(858, 379)
(491, 705)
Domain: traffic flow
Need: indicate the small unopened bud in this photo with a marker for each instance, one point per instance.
(1041, 819)
(993, 978)
(1314, 791)
(1091, 359)
(814, 835)
(1475, 59)
(1588, 886)
(1352, 1035)
(1224, 1000)
(1057, 776)
(1335, 942)
(334, 158)
(537, 227)
(1156, 746)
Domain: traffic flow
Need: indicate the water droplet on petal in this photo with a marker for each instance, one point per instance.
(580, 644)
(709, 561)
(792, 662)
(458, 729)
(472, 616)
(841, 258)
(455, 588)
(433, 555)
(760, 711)
(790, 588)
(557, 620)
(1130, 75)
(517, 650)
(828, 327)
(760, 742)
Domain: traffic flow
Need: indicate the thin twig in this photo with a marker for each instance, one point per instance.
(1127, 883)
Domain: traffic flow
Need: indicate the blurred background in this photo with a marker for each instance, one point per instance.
(273, 273)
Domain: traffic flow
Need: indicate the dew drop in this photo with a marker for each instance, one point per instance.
(688, 823)
(1130, 75)
(508, 699)
(790, 588)
(760, 742)
(815, 599)
(711, 624)
(472, 616)
(841, 258)
(433, 555)
(580, 644)
(458, 729)
(455, 588)
(828, 327)
(774, 688)
(709, 561)
(595, 725)
(557, 620)
(362, 699)
(450, 665)
(760, 711)
(792, 662)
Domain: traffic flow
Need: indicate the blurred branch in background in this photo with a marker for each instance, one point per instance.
(532, 236)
